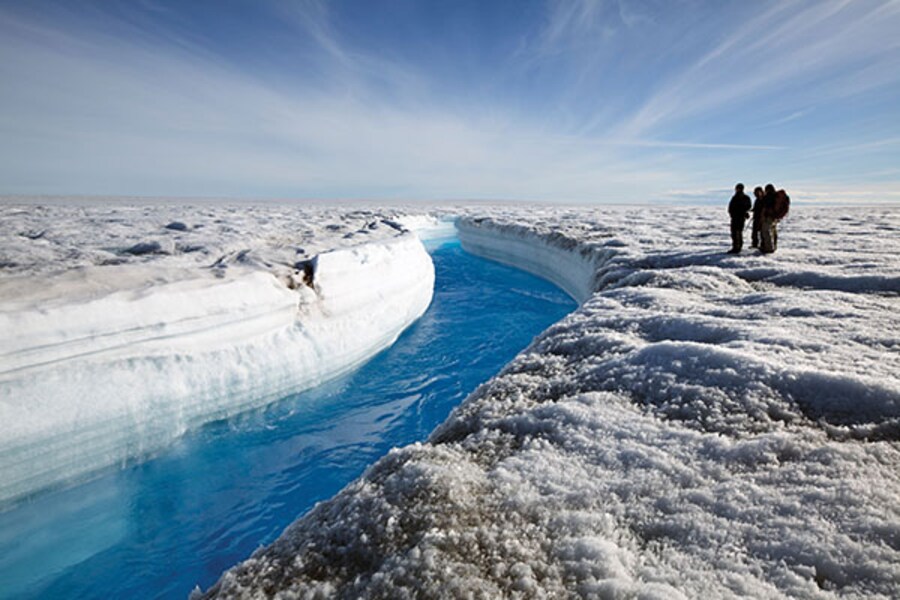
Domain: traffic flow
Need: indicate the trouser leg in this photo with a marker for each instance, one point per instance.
(765, 231)
(737, 236)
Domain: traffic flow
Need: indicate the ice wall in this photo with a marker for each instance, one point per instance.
(119, 374)
(434, 231)
(557, 258)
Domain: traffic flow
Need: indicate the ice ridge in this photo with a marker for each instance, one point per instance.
(107, 364)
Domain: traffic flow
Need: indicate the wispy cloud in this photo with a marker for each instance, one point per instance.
(574, 22)
(791, 55)
(597, 108)
(112, 113)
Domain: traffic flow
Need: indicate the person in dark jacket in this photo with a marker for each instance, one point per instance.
(757, 216)
(739, 210)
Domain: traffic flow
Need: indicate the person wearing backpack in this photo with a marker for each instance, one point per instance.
(775, 208)
(739, 210)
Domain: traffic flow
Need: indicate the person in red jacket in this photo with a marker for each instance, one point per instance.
(739, 210)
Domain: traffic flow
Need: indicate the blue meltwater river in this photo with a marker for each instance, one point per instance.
(162, 527)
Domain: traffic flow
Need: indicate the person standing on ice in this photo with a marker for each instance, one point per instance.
(776, 205)
(758, 195)
(767, 232)
(739, 209)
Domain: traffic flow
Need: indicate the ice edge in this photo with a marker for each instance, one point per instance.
(188, 353)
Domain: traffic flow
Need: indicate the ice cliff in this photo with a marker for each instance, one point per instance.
(112, 360)
(703, 425)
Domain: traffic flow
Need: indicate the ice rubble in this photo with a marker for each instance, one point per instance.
(704, 425)
(109, 354)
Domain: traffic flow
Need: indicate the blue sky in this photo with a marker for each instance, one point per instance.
(580, 100)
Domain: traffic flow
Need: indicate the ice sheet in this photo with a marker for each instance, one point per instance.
(704, 425)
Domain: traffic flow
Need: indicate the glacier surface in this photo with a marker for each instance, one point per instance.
(704, 425)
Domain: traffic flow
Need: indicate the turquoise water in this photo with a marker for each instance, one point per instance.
(162, 527)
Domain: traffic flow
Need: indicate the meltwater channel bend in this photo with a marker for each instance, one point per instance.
(162, 527)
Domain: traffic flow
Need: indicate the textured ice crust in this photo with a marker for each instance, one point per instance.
(105, 363)
(703, 426)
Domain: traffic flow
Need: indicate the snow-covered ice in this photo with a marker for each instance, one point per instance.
(703, 426)
(124, 326)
